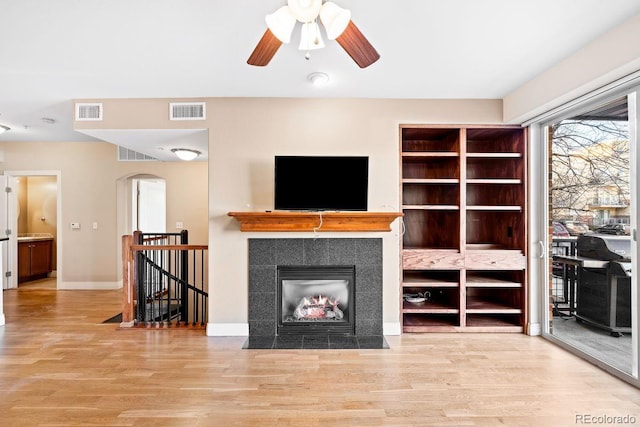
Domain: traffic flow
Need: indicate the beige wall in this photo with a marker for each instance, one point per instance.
(608, 58)
(246, 134)
(89, 174)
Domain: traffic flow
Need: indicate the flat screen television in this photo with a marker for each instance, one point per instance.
(321, 183)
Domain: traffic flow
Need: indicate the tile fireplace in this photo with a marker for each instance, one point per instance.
(315, 293)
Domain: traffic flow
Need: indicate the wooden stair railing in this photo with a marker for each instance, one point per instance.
(164, 285)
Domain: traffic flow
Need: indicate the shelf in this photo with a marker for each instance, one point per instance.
(428, 307)
(464, 200)
(420, 155)
(494, 323)
(495, 155)
(475, 306)
(423, 322)
(495, 208)
(432, 279)
(430, 181)
(431, 207)
(429, 284)
(488, 279)
(493, 181)
(315, 221)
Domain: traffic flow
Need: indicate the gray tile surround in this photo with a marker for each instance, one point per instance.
(265, 255)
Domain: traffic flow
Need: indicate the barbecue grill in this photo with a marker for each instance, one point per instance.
(603, 285)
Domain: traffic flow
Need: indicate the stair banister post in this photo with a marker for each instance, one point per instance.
(128, 295)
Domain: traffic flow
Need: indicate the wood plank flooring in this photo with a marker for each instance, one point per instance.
(60, 366)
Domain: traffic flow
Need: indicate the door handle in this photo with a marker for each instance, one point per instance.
(541, 249)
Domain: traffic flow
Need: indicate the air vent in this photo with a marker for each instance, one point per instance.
(91, 111)
(187, 111)
(127, 155)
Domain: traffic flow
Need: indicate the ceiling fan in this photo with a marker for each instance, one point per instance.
(335, 20)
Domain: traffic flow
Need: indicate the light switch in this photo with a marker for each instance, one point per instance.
(94, 225)
(179, 225)
(75, 226)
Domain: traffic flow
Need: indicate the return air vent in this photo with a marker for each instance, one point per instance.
(86, 111)
(187, 111)
(127, 155)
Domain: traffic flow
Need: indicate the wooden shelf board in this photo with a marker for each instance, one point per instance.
(479, 281)
(410, 250)
(494, 208)
(429, 284)
(430, 181)
(428, 307)
(431, 328)
(490, 307)
(490, 323)
(431, 207)
(424, 323)
(493, 181)
(419, 154)
(495, 155)
(494, 328)
(315, 221)
(431, 310)
(487, 284)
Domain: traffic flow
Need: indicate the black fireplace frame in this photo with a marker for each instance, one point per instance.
(266, 254)
(302, 272)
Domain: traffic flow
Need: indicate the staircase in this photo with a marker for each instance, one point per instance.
(164, 281)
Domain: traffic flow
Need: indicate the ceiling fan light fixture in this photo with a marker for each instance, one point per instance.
(185, 154)
(310, 37)
(318, 78)
(281, 23)
(4, 128)
(305, 10)
(335, 19)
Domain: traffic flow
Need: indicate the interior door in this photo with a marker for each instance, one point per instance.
(150, 207)
(8, 221)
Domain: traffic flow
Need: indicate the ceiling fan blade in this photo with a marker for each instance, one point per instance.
(357, 46)
(265, 49)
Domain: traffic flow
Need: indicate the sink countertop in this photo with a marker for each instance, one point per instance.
(34, 236)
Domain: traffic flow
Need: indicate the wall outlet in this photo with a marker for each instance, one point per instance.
(94, 225)
(75, 226)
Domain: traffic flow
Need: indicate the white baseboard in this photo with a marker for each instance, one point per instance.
(2, 319)
(98, 286)
(391, 328)
(535, 329)
(227, 329)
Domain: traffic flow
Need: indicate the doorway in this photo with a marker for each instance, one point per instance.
(592, 219)
(141, 202)
(31, 217)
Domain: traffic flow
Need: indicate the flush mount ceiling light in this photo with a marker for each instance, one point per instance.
(3, 128)
(318, 78)
(185, 154)
(337, 24)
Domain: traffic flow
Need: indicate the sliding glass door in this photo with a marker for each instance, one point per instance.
(591, 282)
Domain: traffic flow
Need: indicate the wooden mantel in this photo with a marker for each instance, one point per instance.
(315, 221)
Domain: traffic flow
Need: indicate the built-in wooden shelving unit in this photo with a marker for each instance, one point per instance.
(315, 221)
(463, 196)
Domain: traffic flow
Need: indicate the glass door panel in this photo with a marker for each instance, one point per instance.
(590, 212)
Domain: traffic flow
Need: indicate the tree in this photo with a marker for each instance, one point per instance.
(589, 162)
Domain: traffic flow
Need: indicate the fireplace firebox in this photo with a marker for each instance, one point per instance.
(316, 300)
(315, 293)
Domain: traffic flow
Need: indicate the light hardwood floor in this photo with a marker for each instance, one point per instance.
(60, 366)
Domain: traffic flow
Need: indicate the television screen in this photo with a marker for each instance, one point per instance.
(335, 183)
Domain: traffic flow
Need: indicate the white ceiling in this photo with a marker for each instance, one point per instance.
(56, 51)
